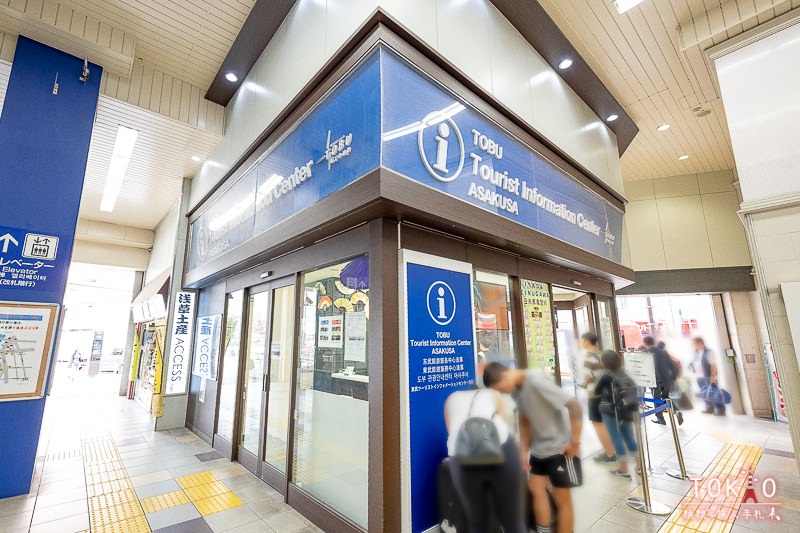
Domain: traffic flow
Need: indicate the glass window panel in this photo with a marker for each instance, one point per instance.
(230, 365)
(491, 293)
(332, 426)
(280, 369)
(254, 371)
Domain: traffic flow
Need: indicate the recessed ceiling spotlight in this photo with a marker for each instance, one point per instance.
(565, 64)
(196, 158)
(612, 118)
(684, 157)
(231, 77)
(663, 127)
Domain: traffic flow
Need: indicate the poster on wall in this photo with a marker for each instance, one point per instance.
(776, 391)
(538, 321)
(330, 333)
(206, 346)
(180, 343)
(26, 337)
(438, 358)
(355, 340)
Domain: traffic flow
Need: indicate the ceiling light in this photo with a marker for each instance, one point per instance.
(612, 118)
(196, 158)
(626, 5)
(120, 157)
(684, 157)
(565, 64)
(231, 77)
(663, 127)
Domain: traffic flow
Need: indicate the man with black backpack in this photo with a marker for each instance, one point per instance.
(550, 430)
(666, 372)
(619, 406)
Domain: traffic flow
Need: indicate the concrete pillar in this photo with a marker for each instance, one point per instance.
(758, 74)
(45, 131)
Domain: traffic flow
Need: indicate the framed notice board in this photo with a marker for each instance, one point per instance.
(27, 331)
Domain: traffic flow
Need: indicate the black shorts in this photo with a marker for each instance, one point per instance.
(594, 409)
(564, 472)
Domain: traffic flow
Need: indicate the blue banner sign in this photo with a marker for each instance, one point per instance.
(440, 349)
(438, 140)
(433, 138)
(337, 143)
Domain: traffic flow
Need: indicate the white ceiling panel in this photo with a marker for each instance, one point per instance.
(160, 161)
(638, 55)
(186, 38)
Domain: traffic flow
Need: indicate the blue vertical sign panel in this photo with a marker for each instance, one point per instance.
(441, 360)
(45, 131)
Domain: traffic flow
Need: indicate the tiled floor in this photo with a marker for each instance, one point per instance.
(102, 468)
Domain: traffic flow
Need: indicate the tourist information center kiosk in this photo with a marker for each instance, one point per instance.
(387, 240)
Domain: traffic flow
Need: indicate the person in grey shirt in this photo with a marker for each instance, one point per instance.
(550, 429)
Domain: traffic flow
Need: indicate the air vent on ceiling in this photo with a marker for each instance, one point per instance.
(701, 111)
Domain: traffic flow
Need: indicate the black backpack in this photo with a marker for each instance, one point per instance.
(477, 442)
(626, 394)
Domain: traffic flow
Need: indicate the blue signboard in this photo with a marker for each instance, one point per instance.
(333, 146)
(441, 359)
(438, 140)
(30, 261)
(433, 138)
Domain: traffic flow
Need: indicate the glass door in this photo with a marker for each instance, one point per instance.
(279, 386)
(250, 419)
(266, 387)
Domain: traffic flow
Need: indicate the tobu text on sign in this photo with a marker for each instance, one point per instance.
(440, 348)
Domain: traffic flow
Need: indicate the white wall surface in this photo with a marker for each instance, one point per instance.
(685, 222)
(163, 255)
(104, 254)
(760, 86)
(471, 34)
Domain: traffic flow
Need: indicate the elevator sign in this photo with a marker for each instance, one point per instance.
(30, 260)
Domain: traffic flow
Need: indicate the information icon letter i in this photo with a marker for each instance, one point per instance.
(440, 300)
(441, 147)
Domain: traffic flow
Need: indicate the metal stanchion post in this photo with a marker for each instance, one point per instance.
(677, 474)
(646, 504)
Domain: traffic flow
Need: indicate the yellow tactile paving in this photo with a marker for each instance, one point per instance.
(109, 487)
(218, 503)
(193, 480)
(113, 498)
(116, 513)
(137, 524)
(164, 501)
(206, 490)
(710, 507)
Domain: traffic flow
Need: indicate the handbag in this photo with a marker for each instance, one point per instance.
(714, 394)
(477, 441)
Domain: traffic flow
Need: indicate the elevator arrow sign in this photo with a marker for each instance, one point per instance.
(6, 239)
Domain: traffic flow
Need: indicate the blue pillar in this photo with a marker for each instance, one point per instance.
(45, 130)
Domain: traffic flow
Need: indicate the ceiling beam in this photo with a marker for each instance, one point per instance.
(261, 25)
